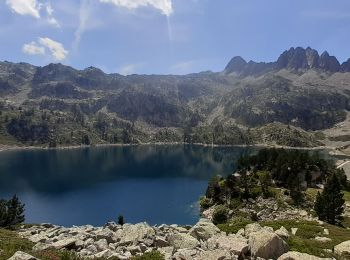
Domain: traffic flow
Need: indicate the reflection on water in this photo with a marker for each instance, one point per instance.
(157, 184)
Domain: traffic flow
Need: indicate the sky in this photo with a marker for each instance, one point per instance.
(168, 36)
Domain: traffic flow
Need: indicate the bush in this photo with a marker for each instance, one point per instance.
(220, 214)
(234, 225)
(121, 220)
(155, 255)
(205, 203)
(11, 212)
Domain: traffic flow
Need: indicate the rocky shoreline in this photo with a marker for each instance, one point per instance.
(203, 241)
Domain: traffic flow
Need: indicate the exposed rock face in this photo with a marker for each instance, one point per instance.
(237, 64)
(299, 256)
(282, 233)
(19, 255)
(182, 241)
(343, 249)
(329, 63)
(267, 245)
(234, 244)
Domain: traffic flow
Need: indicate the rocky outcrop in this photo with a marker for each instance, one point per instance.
(204, 229)
(300, 256)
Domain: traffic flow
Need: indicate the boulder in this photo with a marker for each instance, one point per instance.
(134, 233)
(106, 234)
(41, 246)
(234, 244)
(282, 233)
(250, 228)
(204, 229)
(217, 254)
(185, 254)
(182, 241)
(300, 256)
(294, 231)
(343, 249)
(101, 244)
(267, 245)
(160, 242)
(19, 255)
(68, 243)
(323, 239)
(167, 252)
(104, 254)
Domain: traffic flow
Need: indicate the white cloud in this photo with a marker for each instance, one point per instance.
(165, 6)
(33, 48)
(84, 14)
(56, 49)
(34, 8)
(130, 68)
(25, 7)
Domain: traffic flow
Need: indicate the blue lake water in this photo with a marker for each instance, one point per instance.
(157, 184)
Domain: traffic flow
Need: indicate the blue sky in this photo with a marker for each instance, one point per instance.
(168, 36)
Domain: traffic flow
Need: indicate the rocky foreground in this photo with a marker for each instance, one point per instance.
(203, 241)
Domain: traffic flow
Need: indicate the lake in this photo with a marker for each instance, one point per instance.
(153, 183)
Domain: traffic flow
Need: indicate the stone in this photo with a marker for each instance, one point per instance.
(326, 232)
(282, 232)
(134, 249)
(106, 234)
(104, 254)
(101, 244)
(160, 242)
(38, 238)
(323, 239)
(234, 244)
(19, 255)
(182, 241)
(240, 232)
(41, 246)
(68, 243)
(204, 229)
(294, 231)
(267, 245)
(167, 252)
(250, 228)
(299, 256)
(92, 249)
(138, 232)
(343, 249)
(184, 254)
(217, 254)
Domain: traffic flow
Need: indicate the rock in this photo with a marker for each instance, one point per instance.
(325, 232)
(267, 245)
(299, 256)
(250, 228)
(167, 252)
(323, 239)
(104, 254)
(184, 254)
(270, 229)
(38, 238)
(92, 249)
(203, 230)
(182, 241)
(237, 245)
(160, 242)
(138, 232)
(217, 254)
(343, 249)
(282, 233)
(68, 243)
(294, 231)
(19, 255)
(41, 246)
(101, 244)
(106, 234)
(240, 232)
(134, 249)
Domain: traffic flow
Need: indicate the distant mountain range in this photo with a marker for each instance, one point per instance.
(287, 102)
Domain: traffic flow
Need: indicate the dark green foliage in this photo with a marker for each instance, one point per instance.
(220, 214)
(11, 212)
(154, 255)
(121, 220)
(329, 204)
(85, 140)
(265, 182)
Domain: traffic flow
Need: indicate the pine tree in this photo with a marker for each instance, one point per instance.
(329, 205)
(15, 211)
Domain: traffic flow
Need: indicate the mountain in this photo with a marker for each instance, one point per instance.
(287, 102)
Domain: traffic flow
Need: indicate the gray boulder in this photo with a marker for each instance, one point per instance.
(19, 255)
(204, 229)
(300, 256)
(250, 228)
(234, 244)
(68, 243)
(182, 241)
(267, 245)
(134, 233)
(343, 249)
(217, 254)
(283, 233)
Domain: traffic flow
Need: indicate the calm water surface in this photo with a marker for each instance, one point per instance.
(157, 184)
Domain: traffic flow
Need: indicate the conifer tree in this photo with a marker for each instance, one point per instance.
(329, 205)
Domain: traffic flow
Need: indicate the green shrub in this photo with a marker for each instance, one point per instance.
(205, 203)
(11, 212)
(234, 225)
(220, 214)
(121, 220)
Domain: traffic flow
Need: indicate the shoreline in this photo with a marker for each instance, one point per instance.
(332, 150)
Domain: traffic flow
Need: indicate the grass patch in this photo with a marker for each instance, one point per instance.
(304, 241)
(10, 243)
(234, 225)
(154, 255)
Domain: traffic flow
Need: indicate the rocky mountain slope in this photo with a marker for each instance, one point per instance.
(287, 102)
